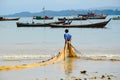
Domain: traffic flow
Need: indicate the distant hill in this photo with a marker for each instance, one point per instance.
(65, 13)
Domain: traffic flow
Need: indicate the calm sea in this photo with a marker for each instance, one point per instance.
(27, 45)
(46, 38)
(48, 41)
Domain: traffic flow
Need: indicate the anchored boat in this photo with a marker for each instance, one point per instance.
(19, 24)
(93, 25)
(8, 19)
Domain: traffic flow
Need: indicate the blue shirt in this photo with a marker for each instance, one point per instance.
(67, 36)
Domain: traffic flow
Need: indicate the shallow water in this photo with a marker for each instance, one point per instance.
(28, 45)
(49, 41)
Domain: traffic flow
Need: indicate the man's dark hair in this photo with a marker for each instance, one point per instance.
(66, 30)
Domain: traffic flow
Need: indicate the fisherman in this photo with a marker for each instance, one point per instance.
(67, 36)
(68, 46)
(68, 22)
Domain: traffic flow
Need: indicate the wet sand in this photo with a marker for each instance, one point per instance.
(88, 67)
(70, 69)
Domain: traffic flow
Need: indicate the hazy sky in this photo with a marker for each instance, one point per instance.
(16, 6)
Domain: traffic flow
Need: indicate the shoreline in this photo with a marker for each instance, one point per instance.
(69, 69)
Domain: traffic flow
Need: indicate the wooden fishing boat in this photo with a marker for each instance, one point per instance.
(116, 18)
(93, 25)
(42, 18)
(97, 17)
(74, 18)
(92, 15)
(19, 24)
(8, 19)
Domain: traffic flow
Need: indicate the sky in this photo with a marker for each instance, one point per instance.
(16, 6)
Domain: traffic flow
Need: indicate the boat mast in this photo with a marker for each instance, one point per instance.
(43, 13)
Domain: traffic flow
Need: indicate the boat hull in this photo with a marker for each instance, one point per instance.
(76, 18)
(116, 18)
(37, 24)
(94, 25)
(42, 18)
(97, 17)
(9, 19)
(93, 16)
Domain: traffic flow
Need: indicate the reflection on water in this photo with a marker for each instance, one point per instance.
(68, 67)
